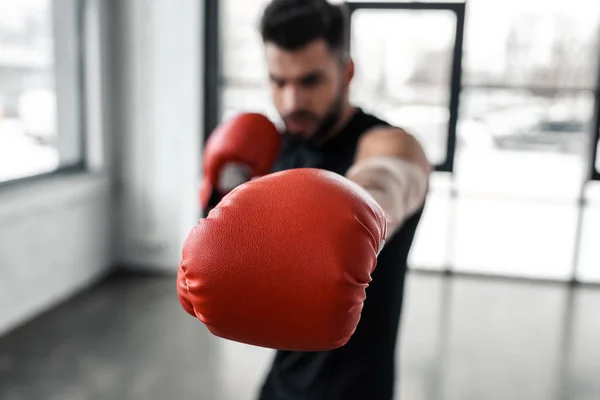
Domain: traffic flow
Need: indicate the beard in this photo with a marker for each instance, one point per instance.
(324, 124)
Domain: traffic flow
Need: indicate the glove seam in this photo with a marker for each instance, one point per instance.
(187, 290)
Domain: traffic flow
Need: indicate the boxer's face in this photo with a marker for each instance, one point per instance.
(309, 87)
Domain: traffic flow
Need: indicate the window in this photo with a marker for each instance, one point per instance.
(527, 112)
(39, 87)
(408, 81)
(529, 90)
(243, 75)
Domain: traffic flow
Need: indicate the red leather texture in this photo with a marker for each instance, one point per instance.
(283, 261)
(206, 189)
(250, 139)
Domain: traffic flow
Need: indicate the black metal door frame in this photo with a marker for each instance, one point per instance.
(594, 172)
(459, 9)
(212, 67)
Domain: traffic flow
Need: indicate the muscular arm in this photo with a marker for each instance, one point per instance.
(391, 165)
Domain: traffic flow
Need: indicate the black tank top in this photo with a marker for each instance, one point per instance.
(364, 367)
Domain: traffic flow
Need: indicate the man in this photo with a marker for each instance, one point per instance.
(310, 73)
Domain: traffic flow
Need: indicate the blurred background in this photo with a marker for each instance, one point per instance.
(104, 109)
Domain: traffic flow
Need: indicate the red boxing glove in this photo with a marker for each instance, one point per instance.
(283, 261)
(240, 149)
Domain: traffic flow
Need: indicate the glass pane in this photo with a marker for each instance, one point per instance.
(512, 237)
(28, 133)
(519, 170)
(241, 48)
(532, 43)
(246, 99)
(403, 70)
(430, 247)
(589, 256)
(523, 143)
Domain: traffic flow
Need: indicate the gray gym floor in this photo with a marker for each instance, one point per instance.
(462, 339)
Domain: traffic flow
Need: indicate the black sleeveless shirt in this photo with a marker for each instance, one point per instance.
(364, 367)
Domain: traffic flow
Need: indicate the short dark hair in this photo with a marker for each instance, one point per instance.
(293, 24)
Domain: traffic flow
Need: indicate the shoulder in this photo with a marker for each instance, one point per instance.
(390, 141)
(386, 134)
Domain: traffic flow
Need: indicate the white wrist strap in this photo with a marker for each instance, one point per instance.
(232, 175)
(397, 185)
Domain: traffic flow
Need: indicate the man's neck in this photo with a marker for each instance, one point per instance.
(348, 112)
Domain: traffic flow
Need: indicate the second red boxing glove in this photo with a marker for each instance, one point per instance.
(242, 148)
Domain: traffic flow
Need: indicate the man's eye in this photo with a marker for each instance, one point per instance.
(277, 82)
(311, 81)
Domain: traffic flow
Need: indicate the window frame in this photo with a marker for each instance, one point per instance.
(595, 140)
(212, 67)
(459, 9)
(213, 64)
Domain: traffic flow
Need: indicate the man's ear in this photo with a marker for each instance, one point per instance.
(349, 70)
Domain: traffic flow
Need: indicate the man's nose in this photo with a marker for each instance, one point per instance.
(294, 99)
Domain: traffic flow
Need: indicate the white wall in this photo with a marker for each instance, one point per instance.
(54, 241)
(159, 105)
(137, 201)
(55, 232)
